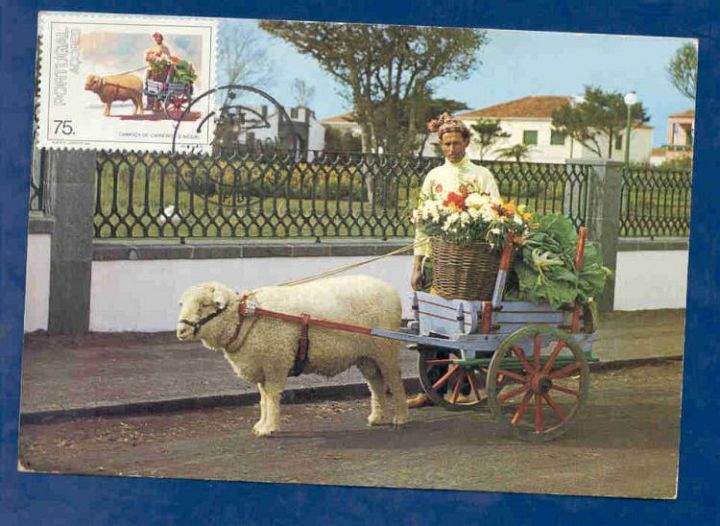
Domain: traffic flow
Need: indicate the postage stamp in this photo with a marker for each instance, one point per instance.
(124, 82)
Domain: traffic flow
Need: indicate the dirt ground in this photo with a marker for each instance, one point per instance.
(624, 443)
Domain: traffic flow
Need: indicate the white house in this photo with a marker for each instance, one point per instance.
(266, 127)
(529, 121)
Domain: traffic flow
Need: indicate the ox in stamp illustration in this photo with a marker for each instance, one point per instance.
(125, 82)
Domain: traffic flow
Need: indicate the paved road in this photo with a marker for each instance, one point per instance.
(624, 443)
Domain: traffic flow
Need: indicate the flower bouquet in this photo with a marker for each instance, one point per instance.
(468, 229)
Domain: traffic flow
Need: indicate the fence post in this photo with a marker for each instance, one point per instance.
(603, 217)
(71, 186)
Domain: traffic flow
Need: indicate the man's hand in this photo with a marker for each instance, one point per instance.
(416, 277)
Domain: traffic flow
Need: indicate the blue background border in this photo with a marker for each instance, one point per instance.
(54, 499)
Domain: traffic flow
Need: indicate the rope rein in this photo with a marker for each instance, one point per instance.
(350, 266)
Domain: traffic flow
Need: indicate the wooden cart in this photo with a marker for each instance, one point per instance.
(527, 362)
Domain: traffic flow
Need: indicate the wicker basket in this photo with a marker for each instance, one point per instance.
(464, 272)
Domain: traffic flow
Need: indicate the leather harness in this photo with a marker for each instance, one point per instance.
(304, 320)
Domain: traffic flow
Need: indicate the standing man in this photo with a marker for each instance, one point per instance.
(156, 52)
(457, 171)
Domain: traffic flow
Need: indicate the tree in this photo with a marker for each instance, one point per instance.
(386, 71)
(519, 152)
(600, 115)
(302, 93)
(341, 141)
(682, 70)
(487, 133)
(242, 58)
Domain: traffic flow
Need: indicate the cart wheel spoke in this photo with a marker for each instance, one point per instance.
(440, 362)
(565, 371)
(551, 360)
(458, 385)
(511, 394)
(539, 422)
(565, 390)
(511, 374)
(554, 406)
(473, 385)
(537, 346)
(446, 377)
(523, 359)
(522, 408)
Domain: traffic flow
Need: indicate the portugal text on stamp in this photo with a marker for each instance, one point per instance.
(123, 82)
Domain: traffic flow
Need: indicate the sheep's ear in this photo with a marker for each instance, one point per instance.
(219, 298)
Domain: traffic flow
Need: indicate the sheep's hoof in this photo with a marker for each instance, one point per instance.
(262, 433)
(375, 419)
(400, 421)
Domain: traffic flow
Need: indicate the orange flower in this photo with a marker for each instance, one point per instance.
(455, 200)
(438, 188)
(464, 190)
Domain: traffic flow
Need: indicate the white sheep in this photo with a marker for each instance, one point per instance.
(263, 352)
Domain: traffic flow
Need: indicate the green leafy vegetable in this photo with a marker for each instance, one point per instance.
(545, 272)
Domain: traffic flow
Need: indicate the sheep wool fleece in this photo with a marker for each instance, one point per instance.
(264, 351)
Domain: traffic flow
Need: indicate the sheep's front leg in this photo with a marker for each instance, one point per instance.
(108, 105)
(273, 391)
(260, 424)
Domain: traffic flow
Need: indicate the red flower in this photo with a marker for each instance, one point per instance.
(464, 190)
(456, 200)
(438, 188)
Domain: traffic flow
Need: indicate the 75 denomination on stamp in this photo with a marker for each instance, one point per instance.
(124, 82)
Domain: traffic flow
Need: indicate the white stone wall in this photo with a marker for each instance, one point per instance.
(142, 295)
(651, 279)
(37, 289)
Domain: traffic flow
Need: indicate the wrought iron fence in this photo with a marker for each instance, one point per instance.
(282, 194)
(655, 203)
(38, 174)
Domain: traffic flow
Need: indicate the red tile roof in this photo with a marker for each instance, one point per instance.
(686, 113)
(533, 107)
(345, 118)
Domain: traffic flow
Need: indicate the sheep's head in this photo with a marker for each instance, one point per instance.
(199, 305)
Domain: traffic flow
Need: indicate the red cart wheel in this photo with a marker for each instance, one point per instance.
(546, 382)
(175, 105)
(451, 386)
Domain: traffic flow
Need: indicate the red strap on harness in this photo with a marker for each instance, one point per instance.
(348, 327)
(301, 355)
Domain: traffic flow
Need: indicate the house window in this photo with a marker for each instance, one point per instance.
(530, 137)
(689, 137)
(293, 113)
(557, 138)
(618, 142)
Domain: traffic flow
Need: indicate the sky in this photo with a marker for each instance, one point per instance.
(515, 64)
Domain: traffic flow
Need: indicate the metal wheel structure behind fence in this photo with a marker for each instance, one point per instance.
(290, 195)
(655, 203)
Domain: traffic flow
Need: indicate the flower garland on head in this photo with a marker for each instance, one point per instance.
(470, 215)
(446, 123)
